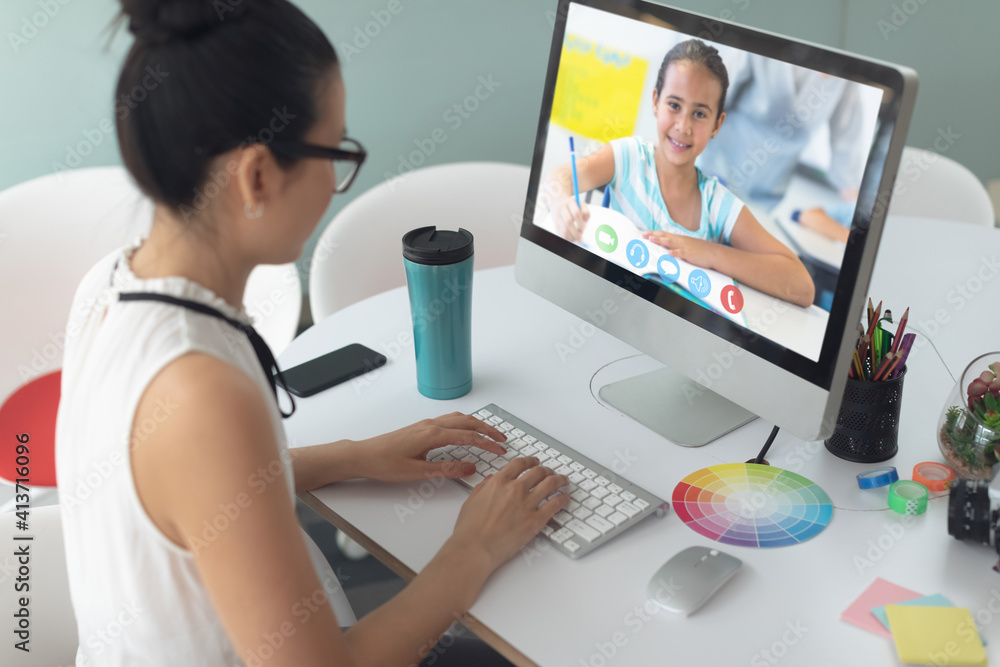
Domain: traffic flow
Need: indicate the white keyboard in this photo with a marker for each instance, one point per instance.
(602, 505)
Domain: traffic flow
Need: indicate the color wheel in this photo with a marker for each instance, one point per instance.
(752, 505)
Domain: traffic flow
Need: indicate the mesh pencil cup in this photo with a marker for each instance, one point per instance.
(868, 422)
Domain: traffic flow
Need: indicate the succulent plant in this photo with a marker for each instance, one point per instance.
(984, 397)
(973, 430)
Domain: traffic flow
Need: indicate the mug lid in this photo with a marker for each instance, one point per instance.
(429, 245)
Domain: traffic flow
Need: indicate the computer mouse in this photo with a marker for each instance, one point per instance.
(685, 582)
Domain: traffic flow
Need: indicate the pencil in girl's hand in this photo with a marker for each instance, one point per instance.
(576, 184)
(899, 330)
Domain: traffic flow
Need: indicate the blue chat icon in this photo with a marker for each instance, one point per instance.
(637, 253)
(668, 269)
(699, 283)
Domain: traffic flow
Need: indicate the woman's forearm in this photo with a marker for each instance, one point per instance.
(319, 465)
(418, 615)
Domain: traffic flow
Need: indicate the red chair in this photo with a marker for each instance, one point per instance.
(54, 229)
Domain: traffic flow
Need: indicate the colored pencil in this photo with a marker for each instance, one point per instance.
(904, 352)
(871, 325)
(884, 367)
(859, 370)
(863, 354)
(576, 184)
(900, 329)
(876, 347)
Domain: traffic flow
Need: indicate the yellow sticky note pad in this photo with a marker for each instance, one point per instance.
(598, 89)
(935, 635)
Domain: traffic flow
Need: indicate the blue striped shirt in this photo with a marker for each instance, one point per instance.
(635, 193)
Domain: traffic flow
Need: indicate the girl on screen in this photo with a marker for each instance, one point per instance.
(658, 187)
(191, 536)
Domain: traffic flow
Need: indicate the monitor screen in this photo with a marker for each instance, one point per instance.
(721, 169)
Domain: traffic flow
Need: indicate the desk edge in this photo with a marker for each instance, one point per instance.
(499, 644)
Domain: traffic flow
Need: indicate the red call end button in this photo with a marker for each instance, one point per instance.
(732, 299)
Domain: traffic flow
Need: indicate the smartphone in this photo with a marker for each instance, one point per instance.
(331, 369)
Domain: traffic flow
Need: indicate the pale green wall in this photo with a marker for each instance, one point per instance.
(430, 55)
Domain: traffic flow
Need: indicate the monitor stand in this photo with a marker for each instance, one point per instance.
(678, 408)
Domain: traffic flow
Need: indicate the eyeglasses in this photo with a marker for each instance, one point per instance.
(347, 159)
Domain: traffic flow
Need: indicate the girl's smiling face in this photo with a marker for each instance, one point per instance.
(687, 111)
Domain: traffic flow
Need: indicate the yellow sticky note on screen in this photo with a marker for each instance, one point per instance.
(598, 89)
(935, 635)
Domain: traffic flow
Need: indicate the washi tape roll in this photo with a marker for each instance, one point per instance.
(908, 497)
(871, 479)
(935, 476)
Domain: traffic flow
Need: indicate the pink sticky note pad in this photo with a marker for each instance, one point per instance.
(881, 592)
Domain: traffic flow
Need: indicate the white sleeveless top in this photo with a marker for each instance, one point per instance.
(138, 597)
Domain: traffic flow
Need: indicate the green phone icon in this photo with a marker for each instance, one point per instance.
(607, 239)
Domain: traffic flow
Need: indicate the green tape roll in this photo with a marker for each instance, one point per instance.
(908, 497)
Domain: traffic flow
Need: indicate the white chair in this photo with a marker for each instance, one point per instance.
(52, 230)
(53, 638)
(931, 185)
(360, 252)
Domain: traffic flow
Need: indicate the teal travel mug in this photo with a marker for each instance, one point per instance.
(439, 279)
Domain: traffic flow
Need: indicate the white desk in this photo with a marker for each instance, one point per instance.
(544, 608)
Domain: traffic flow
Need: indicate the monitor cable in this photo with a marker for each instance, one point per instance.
(767, 446)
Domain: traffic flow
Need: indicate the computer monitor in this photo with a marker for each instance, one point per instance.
(736, 249)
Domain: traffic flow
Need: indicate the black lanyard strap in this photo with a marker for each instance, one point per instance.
(259, 346)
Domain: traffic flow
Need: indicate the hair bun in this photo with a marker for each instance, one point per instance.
(160, 21)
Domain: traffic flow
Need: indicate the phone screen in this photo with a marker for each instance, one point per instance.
(331, 369)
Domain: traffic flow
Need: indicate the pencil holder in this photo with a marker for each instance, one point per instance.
(868, 422)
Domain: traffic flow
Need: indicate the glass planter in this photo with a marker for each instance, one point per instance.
(969, 427)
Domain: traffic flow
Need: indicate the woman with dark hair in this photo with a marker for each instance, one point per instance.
(186, 549)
